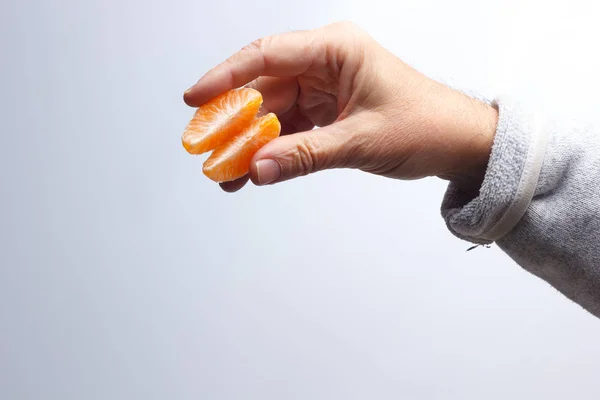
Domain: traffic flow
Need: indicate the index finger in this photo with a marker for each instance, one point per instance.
(289, 54)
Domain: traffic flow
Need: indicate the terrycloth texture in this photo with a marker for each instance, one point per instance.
(558, 236)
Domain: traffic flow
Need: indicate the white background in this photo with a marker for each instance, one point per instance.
(126, 274)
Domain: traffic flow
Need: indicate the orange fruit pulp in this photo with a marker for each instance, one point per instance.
(228, 125)
(231, 160)
(221, 119)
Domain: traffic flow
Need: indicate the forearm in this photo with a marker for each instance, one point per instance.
(540, 201)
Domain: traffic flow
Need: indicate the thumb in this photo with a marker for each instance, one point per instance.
(301, 154)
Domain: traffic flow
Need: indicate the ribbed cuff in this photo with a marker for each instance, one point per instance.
(510, 180)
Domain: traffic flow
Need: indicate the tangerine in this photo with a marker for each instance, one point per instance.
(228, 125)
(221, 119)
(231, 160)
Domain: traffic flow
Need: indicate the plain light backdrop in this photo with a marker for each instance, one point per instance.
(126, 274)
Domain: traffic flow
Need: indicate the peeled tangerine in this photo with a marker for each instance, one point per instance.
(228, 125)
(231, 160)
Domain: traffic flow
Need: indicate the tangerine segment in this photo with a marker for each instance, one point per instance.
(231, 160)
(223, 117)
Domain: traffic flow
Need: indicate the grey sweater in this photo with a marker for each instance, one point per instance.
(540, 201)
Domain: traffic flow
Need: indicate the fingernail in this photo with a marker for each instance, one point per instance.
(187, 91)
(267, 171)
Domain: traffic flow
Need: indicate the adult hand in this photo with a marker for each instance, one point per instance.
(374, 112)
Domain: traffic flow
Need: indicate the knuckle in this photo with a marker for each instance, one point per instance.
(260, 45)
(347, 26)
(259, 48)
(307, 156)
(256, 45)
(309, 46)
(350, 36)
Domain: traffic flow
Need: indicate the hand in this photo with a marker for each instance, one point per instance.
(375, 112)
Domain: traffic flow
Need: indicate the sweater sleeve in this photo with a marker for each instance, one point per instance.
(539, 201)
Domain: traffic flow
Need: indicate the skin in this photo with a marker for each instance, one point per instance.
(372, 111)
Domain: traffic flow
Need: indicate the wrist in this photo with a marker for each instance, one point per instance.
(475, 129)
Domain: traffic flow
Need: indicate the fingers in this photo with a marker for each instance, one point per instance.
(292, 121)
(285, 55)
(279, 94)
(303, 153)
(279, 97)
(234, 186)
